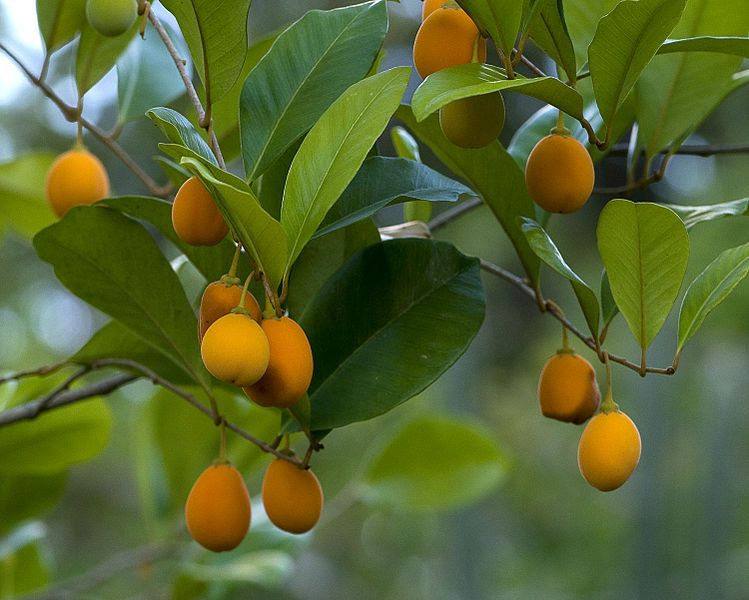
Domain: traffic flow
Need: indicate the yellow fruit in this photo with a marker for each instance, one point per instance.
(290, 367)
(609, 450)
(292, 497)
(559, 174)
(218, 509)
(195, 216)
(111, 17)
(445, 39)
(430, 6)
(473, 122)
(567, 388)
(235, 350)
(75, 177)
(219, 299)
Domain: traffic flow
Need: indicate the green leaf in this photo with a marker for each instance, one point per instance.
(146, 76)
(333, 151)
(738, 46)
(179, 130)
(404, 143)
(476, 79)
(56, 440)
(609, 309)
(490, 171)
(497, 19)
(216, 33)
(435, 463)
(382, 180)
(549, 30)
(60, 20)
(547, 251)
(307, 68)
(97, 55)
(625, 42)
(25, 209)
(273, 180)
(261, 235)
(644, 248)
(692, 215)
(111, 262)
(24, 497)
(710, 288)
(25, 571)
(374, 356)
(582, 17)
(261, 568)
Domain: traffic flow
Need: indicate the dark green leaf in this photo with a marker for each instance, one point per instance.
(180, 131)
(24, 497)
(549, 30)
(609, 309)
(498, 19)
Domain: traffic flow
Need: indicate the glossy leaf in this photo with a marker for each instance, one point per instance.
(710, 288)
(490, 171)
(97, 54)
(180, 131)
(497, 19)
(25, 209)
(625, 42)
(547, 251)
(548, 30)
(738, 46)
(476, 79)
(692, 215)
(644, 248)
(374, 356)
(306, 69)
(407, 147)
(382, 180)
(333, 151)
(60, 21)
(435, 463)
(149, 301)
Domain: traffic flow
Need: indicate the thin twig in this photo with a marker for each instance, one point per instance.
(533, 68)
(453, 212)
(38, 372)
(691, 150)
(639, 184)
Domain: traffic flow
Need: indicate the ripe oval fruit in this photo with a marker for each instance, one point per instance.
(75, 177)
(235, 350)
(195, 216)
(559, 174)
(292, 497)
(567, 388)
(218, 509)
(219, 299)
(111, 17)
(473, 122)
(430, 6)
(289, 369)
(609, 450)
(446, 38)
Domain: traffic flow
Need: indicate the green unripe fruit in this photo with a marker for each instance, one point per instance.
(111, 17)
(473, 122)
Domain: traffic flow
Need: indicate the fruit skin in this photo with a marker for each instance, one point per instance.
(446, 38)
(290, 368)
(292, 497)
(235, 350)
(430, 6)
(609, 450)
(111, 17)
(195, 216)
(219, 299)
(559, 174)
(75, 177)
(473, 122)
(218, 509)
(567, 388)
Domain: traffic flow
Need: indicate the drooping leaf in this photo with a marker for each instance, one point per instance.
(548, 30)
(738, 46)
(476, 79)
(306, 69)
(547, 251)
(25, 209)
(625, 42)
(644, 248)
(333, 151)
(372, 357)
(382, 180)
(609, 309)
(407, 147)
(710, 288)
(490, 171)
(180, 131)
(60, 20)
(97, 54)
(497, 19)
(692, 215)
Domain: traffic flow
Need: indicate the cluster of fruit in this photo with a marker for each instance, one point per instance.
(610, 445)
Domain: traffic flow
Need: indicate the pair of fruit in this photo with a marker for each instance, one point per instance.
(271, 358)
(448, 37)
(218, 510)
(610, 445)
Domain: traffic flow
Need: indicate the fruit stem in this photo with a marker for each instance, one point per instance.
(559, 128)
(566, 341)
(235, 261)
(240, 307)
(608, 405)
(475, 55)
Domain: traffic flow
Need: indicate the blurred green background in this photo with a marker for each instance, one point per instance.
(677, 529)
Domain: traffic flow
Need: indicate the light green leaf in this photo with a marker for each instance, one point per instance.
(333, 151)
(644, 248)
(430, 305)
(738, 46)
(582, 17)
(25, 209)
(547, 251)
(497, 19)
(306, 69)
(407, 147)
(435, 463)
(625, 42)
(692, 215)
(264, 568)
(25, 571)
(179, 130)
(97, 54)
(710, 288)
(548, 30)
(60, 20)
(476, 79)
